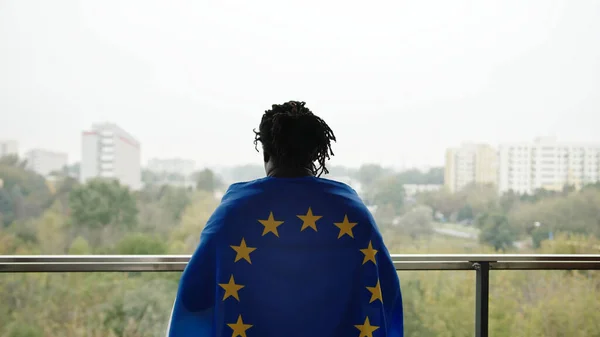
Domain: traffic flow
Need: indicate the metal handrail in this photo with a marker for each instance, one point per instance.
(481, 264)
(173, 263)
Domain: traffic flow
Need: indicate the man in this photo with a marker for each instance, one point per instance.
(290, 254)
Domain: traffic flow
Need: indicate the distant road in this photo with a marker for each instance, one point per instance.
(455, 233)
(472, 236)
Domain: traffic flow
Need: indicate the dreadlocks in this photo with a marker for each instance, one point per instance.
(294, 136)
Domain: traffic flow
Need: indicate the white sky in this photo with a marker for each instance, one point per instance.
(398, 81)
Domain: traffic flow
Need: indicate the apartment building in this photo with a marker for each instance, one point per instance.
(548, 164)
(9, 147)
(174, 171)
(468, 164)
(179, 166)
(108, 151)
(45, 162)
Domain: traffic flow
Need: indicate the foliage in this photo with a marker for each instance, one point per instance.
(23, 194)
(465, 213)
(7, 210)
(141, 244)
(175, 200)
(434, 176)
(185, 236)
(480, 198)
(14, 161)
(416, 223)
(496, 231)
(206, 180)
(24, 329)
(77, 219)
(79, 246)
(442, 201)
(367, 174)
(388, 191)
(374, 178)
(576, 212)
(151, 178)
(102, 202)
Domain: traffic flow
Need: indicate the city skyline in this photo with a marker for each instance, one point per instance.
(147, 162)
(397, 89)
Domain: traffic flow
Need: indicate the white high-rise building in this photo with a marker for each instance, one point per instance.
(548, 164)
(110, 152)
(9, 147)
(45, 162)
(470, 164)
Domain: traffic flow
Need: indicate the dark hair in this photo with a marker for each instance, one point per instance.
(295, 137)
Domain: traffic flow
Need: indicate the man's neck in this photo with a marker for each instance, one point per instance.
(283, 172)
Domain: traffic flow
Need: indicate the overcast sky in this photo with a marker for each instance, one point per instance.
(398, 81)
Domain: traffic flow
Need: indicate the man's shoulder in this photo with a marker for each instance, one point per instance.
(242, 187)
(266, 184)
(338, 184)
(243, 198)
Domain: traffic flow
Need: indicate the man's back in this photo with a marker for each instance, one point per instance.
(291, 257)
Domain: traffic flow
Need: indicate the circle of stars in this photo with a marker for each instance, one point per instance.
(309, 221)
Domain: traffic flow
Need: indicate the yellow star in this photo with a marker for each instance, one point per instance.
(239, 328)
(243, 251)
(309, 219)
(366, 330)
(375, 293)
(270, 225)
(369, 254)
(345, 227)
(231, 289)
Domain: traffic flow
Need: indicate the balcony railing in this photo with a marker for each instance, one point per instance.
(481, 264)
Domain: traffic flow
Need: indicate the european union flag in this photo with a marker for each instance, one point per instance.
(286, 257)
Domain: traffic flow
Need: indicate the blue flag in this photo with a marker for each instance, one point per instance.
(286, 257)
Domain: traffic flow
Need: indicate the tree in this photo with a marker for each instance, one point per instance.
(25, 329)
(388, 191)
(575, 213)
(434, 176)
(64, 187)
(508, 201)
(79, 246)
(206, 180)
(14, 161)
(185, 237)
(481, 198)
(30, 189)
(416, 222)
(369, 173)
(141, 244)
(442, 201)
(540, 234)
(496, 231)
(50, 230)
(175, 200)
(7, 211)
(18, 202)
(465, 213)
(384, 215)
(149, 177)
(539, 194)
(100, 203)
